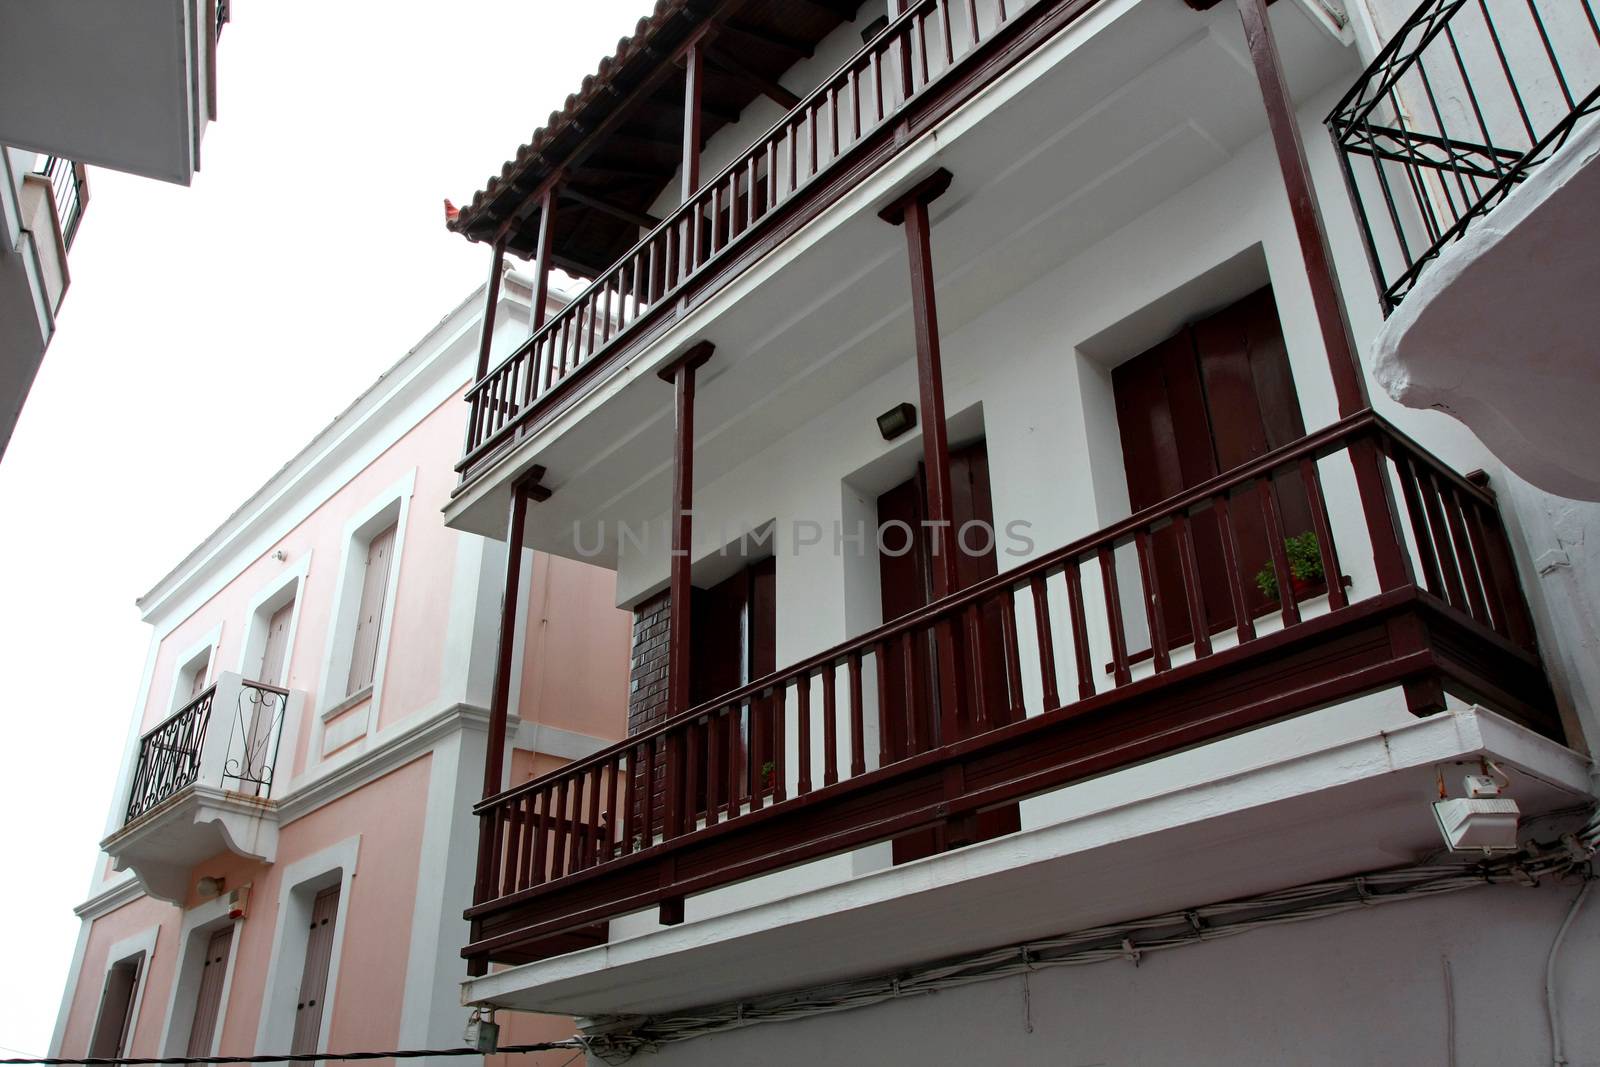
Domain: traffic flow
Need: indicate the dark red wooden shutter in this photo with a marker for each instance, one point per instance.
(314, 978)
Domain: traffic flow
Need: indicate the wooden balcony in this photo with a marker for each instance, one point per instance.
(916, 71)
(1004, 697)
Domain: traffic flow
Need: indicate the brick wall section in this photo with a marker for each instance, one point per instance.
(647, 683)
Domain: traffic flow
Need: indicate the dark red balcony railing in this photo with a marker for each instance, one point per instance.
(859, 103)
(686, 806)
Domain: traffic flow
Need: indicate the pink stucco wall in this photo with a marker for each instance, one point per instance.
(575, 666)
(387, 814)
(416, 644)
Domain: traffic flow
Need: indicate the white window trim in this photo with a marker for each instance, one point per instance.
(194, 937)
(335, 865)
(289, 586)
(177, 697)
(143, 945)
(393, 504)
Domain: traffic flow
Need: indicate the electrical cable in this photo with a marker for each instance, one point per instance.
(303, 1057)
(616, 1039)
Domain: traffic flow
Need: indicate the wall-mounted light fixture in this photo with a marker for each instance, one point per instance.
(897, 420)
(210, 888)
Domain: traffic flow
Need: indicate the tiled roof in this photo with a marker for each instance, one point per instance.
(594, 85)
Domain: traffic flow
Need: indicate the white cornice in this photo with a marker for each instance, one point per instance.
(114, 896)
(438, 360)
(394, 748)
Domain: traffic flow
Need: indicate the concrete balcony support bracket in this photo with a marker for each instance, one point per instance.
(1496, 334)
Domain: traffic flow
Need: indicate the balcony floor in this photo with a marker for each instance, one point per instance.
(1336, 792)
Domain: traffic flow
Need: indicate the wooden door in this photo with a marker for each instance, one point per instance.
(1215, 395)
(733, 640)
(208, 1003)
(273, 654)
(314, 976)
(910, 716)
(197, 682)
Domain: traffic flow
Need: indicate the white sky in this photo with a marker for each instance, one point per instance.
(209, 332)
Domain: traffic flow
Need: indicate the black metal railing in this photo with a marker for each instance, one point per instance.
(253, 746)
(68, 187)
(1466, 99)
(169, 755)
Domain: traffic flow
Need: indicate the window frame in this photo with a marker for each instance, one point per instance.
(183, 672)
(301, 882)
(140, 947)
(194, 936)
(390, 507)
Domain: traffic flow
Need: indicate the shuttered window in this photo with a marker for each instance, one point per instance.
(274, 651)
(208, 1002)
(314, 979)
(197, 682)
(110, 1035)
(374, 590)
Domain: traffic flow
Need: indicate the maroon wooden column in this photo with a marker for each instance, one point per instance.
(911, 212)
(693, 83)
(491, 301)
(541, 266)
(1390, 559)
(677, 809)
(525, 489)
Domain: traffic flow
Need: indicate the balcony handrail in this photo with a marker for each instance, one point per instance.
(1449, 135)
(165, 769)
(491, 396)
(969, 717)
(1328, 440)
(67, 182)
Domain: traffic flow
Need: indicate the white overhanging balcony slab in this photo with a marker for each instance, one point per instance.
(1499, 330)
(118, 84)
(1293, 810)
(214, 813)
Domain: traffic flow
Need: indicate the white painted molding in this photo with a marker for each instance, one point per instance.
(194, 935)
(205, 646)
(142, 945)
(124, 889)
(392, 505)
(300, 883)
(287, 584)
(391, 749)
(552, 741)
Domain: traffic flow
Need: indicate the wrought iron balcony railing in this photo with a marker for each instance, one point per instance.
(1466, 99)
(1001, 696)
(192, 747)
(69, 190)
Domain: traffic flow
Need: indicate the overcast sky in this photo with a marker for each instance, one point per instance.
(209, 332)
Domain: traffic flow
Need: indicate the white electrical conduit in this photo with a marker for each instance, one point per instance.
(1558, 1055)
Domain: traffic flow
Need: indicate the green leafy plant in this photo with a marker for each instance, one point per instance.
(1305, 564)
(767, 770)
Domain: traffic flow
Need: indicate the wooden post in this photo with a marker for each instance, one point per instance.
(693, 79)
(1392, 564)
(1349, 382)
(541, 267)
(680, 372)
(491, 300)
(911, 211)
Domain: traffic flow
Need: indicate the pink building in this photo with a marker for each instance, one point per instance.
(289, 850)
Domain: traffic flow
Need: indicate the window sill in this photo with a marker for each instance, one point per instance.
(358, 697)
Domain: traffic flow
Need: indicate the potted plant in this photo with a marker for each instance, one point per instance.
(1304, 553)
(768, 769)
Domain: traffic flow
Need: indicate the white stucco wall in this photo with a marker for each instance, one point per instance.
(1454, 980)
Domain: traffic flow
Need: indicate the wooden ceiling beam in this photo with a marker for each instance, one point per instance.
(768, 87)
(795, 46)
(616, 211)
